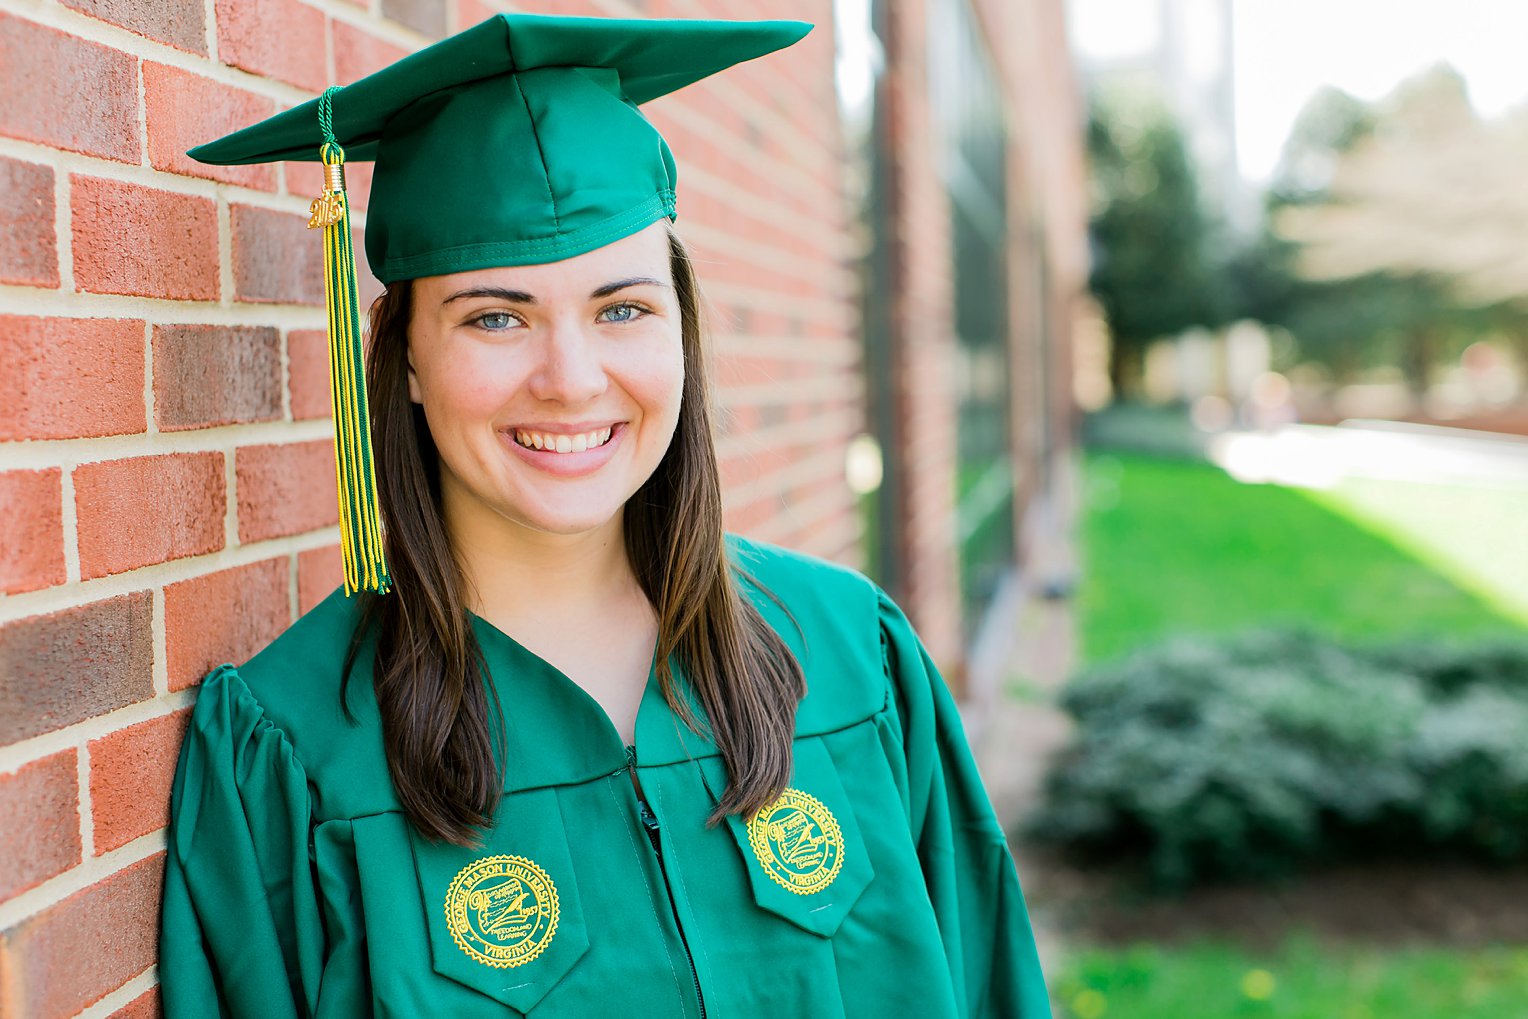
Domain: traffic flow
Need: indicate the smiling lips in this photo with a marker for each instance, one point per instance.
(560, 443)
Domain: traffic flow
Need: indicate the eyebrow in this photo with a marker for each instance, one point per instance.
(521, 297)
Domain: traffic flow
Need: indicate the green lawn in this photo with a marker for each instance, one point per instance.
(1305, 979)
(1174, 545)
(1177, 545)
(1476, 536)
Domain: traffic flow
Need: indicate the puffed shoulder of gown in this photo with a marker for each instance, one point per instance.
(879, 883)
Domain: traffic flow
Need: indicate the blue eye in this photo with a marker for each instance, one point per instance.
(636, 310)
(494, 321)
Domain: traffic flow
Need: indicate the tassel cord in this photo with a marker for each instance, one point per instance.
(361, 543)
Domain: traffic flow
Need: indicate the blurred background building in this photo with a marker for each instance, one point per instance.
(966, 117)
(1179, 51)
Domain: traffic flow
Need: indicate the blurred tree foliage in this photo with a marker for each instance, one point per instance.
(1156, 271)
(1384, 306)
(1361, 256)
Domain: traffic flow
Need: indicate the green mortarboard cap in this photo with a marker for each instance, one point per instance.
(516, 141)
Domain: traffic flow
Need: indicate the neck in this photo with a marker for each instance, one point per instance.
(520, 578)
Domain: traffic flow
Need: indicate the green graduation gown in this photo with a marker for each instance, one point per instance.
(879, 884)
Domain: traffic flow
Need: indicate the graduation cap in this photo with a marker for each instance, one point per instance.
(518, 141)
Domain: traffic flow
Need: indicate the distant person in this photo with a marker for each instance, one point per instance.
(1270, 402)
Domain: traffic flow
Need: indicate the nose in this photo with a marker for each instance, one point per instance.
(571, 369)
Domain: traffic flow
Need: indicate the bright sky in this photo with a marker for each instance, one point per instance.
(1283, 50)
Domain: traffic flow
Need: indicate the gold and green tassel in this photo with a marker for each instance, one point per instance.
(360, 520)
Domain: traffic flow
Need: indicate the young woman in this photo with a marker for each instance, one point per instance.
(583, 753)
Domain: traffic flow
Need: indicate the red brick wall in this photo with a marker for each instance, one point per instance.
(923, 322)
(1048, 219)
(166, 471)
(1027, 44)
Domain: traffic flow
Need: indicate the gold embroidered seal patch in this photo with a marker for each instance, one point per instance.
(502, 910)
(798, 842)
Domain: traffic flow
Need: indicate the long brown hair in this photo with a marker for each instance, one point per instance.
(431, 684)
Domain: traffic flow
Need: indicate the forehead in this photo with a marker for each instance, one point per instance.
(644, 253)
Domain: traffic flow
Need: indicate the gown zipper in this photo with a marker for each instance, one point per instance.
(650, 825)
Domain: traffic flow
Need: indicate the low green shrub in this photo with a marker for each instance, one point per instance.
(1252, 754)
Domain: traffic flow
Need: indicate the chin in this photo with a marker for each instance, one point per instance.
(572, 521)
(572, 527)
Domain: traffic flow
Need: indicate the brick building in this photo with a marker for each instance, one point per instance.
(975, 279)
(166, 471)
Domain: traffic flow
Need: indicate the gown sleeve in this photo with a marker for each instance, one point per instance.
(240, 930)
(964, 854)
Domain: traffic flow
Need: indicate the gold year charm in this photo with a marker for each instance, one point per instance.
(326, 210)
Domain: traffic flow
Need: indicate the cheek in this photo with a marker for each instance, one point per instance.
(461, 390)
(657, 382)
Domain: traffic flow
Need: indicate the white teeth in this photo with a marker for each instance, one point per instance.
(563, 443)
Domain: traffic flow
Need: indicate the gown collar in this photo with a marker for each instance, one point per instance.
(559, 734)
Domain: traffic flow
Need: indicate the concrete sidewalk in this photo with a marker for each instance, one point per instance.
(1022, 726)
(1028, 653)
(1021, 730)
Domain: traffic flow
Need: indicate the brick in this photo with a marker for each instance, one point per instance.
(67, 93)
(148, 509)
(32, 540)
(308, 374)
(358, 53)
(319, 572)
(74, 664)
(185, 110)
(178, 23)
(28, 241)
(129, 239)
(39, 822)
(130, 774)
(276, 258)
(68, 378)
(76, 952)
(603, 8)
(216, 375)
(426, 16)
(307, 181)
(225, 616)
(473, 12)
(146, 1006)
(285, 489)
(274, 38)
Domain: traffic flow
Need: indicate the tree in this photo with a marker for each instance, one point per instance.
(1387, 239)
(1154, 271)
